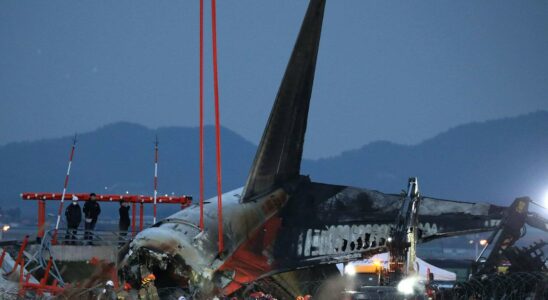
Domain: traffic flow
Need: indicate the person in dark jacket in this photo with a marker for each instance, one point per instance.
(73, 214)
(123, 224)
(92, 210)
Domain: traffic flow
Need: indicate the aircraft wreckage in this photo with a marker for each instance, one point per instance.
(281, 221)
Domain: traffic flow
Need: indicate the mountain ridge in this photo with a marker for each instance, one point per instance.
(493, 161)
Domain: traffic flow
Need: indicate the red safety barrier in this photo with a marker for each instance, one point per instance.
(41, 197)
(2, 257)
(41, 218)
(20, 258)
(44, 279)
(183, 200)
(133, 205)
(22, 271)
(41, 287)
(141, 215)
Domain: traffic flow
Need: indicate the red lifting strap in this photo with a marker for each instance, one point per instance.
(217, 125)
(202, 114)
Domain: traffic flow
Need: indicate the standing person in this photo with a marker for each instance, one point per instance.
(92, 210)
(108, 292)
(123, 224)
(73, 214)
(148, 291)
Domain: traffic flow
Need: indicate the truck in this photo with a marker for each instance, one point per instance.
(367, 281)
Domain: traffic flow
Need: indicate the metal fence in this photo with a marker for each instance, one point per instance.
(95, 237)
(43, 255)
(530, 285)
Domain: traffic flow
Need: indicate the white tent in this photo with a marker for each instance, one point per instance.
(420, 265)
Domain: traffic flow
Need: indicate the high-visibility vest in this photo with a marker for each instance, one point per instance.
(148, 279)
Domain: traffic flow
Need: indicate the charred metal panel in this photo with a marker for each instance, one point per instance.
(324, 223)
(443, 218)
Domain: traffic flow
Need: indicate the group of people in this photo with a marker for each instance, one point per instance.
(148, 291)
(92, 210)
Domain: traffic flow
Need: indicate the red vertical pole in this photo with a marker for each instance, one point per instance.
(44, 280)
(201, 115)
(133, 217)
(21, 272)
(22, 249)
(41, 217)
(2, 257)
(141, 212)
(20, 257)
(217, 126)
(114, 276)
(60, 211)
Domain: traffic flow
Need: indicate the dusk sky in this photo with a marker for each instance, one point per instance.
(401, 71)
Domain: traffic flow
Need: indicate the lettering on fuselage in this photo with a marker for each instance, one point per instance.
(492, 223)
(341, 239)
(428, 229)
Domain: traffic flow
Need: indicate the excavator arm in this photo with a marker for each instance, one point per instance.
(535, 220)
(507, 233)
(402, 243)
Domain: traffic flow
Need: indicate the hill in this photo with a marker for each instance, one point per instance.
(118, 158)
(492, 161)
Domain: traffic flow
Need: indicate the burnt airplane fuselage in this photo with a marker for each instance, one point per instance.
(280, 220)
(295, 226)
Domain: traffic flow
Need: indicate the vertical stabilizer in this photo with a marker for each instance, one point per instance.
(278, 157)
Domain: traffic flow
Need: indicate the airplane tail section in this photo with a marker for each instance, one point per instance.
(278, 157)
